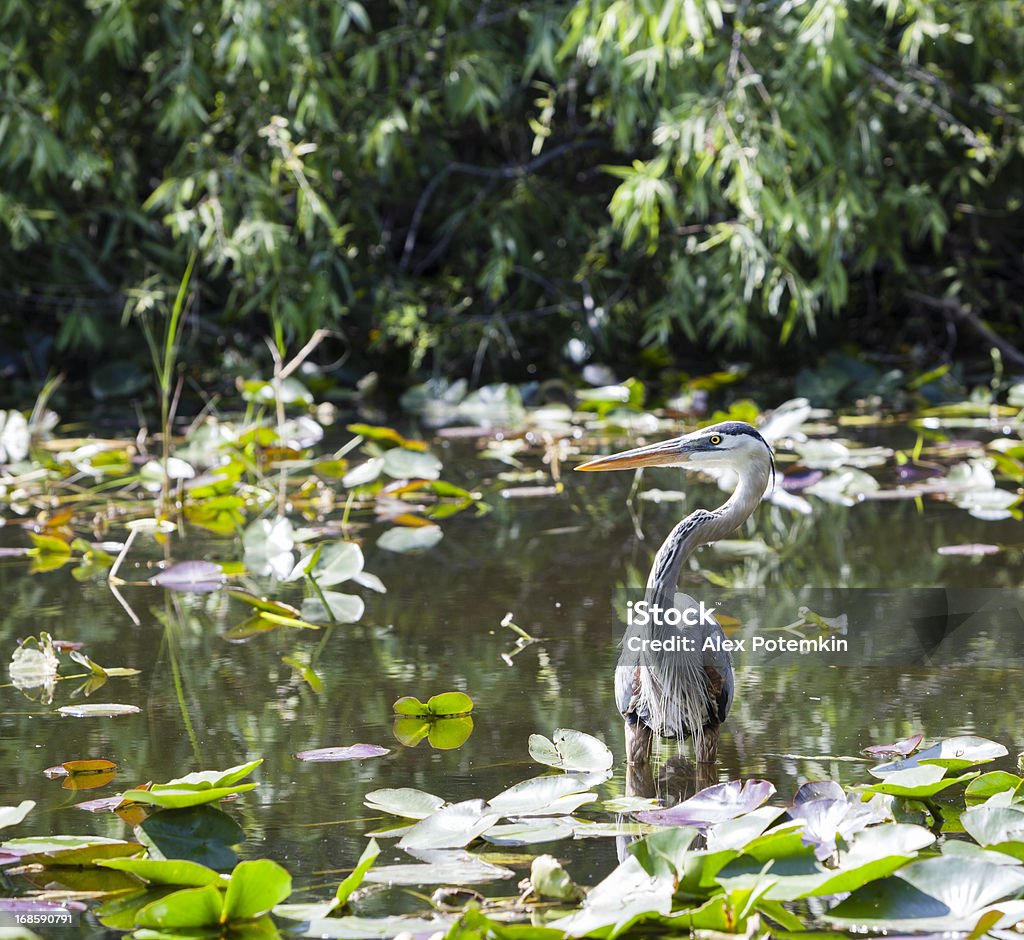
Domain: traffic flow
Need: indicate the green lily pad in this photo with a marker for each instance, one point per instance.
(254, 888)
(916, 782)
(954, 754)
(938, 894)
(173, 872)
(71, 850)
(181, 797)
(988, 785)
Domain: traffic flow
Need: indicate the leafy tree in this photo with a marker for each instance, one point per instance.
(446, 182)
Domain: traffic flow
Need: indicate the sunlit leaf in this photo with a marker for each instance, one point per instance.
(404, 540)
(254, 888)
(450, 827)
(404, 801)
(570, 750)
(12, 815)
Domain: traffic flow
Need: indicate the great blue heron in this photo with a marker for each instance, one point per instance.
(687, 691)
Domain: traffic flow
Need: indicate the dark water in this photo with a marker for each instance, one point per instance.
(555, 563)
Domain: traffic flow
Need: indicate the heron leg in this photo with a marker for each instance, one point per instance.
(639, 743)
(707, 750)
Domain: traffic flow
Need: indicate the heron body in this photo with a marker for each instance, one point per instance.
(688, 691)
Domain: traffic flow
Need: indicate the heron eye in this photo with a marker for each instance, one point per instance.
(715, 439)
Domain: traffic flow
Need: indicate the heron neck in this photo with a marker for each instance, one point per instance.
(701, 528)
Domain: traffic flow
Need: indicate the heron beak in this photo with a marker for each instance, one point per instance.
(663, 454)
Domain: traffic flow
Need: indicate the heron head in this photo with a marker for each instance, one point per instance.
(732, 444)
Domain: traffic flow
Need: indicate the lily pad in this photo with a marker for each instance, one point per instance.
(544, 796)
(404, 540)
(194, 577)
(899, 749)
(97, 710)
(954, 754)
(351, 752)
(443, 705)
(571, 750)
(405, 464)
(949, 893)
(333, 605)
(916, 782)
(448, 867)
(12, 815)
(404, 801)
(527, 831)
(713, 804)
(450, 827)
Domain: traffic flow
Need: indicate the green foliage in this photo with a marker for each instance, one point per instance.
(444, 179)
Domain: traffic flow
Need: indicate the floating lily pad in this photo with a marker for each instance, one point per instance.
(12, 815)
(165, 872)
(988, 785)
(181, 797)
(544, 796)
(195, 577)
(333, 605)
(991, 825)
(351, 752)
(571, 750)
(951, 754)
(450, 827)
(443, 705)
(713, 804)
(899, 749)
(404, 540)
(403, 464)
(448, 867)
(527, 831)
(404, 801)
(916, 782)
(939, 894)
(75, 851)
(96, 710)
(368, 928)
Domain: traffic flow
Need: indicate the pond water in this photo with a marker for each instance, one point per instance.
(556, 563)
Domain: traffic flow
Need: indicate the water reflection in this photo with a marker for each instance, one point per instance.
(557, 564)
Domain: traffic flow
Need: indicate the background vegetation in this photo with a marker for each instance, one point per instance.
(470, 186)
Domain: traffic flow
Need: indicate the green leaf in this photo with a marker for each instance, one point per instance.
(450, 704)
(404, 464)
(174, 872)
(355, 879)
(254, 888)
(916, 782)
(405, 539)
(191, 907)
(179, 798)
(410, 706)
